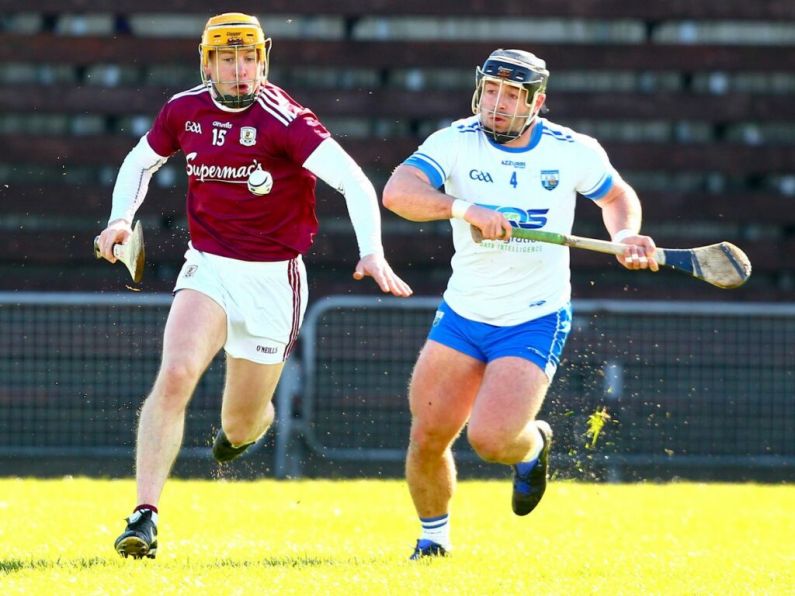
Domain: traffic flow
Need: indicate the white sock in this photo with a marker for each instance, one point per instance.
(437, 529)
(535, 451)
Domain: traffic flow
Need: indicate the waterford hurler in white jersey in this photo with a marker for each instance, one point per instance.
(507, 283)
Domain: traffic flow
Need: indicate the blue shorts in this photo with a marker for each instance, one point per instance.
(540, 341)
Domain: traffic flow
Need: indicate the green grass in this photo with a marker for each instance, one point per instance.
(354, 537)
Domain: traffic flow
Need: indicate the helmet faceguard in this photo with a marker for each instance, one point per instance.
(518, 69)
(235, 32)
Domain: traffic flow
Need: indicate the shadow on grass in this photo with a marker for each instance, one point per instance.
(9, 566)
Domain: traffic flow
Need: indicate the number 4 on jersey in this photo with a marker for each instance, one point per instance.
(513, 179)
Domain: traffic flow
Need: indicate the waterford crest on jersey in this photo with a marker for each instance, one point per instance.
(507, 283)
(222, 147)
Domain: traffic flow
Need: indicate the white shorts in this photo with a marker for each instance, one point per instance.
(264, 302)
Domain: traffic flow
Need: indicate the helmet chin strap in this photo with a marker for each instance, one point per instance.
(510, 135)
(235, 102)
(504, 137)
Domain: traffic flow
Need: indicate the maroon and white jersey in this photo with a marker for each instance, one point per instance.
(221, 149)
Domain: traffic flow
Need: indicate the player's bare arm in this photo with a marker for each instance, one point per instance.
(622, 214)
(409, 194)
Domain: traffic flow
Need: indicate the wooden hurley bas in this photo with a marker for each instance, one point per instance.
(722, 265)
(131, 253)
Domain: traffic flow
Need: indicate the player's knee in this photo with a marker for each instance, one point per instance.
(488, 445)
(244, 427)
(177, 380)
(431, 441)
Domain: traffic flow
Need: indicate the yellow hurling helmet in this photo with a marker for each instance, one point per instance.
(238, 32)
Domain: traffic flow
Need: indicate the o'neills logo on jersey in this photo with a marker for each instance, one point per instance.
(204, 172)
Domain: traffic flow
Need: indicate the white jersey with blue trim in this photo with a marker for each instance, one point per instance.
(535, 187)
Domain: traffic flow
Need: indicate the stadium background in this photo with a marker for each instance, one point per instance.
(692, 100)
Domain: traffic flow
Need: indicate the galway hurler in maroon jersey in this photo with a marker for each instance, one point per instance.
(252, 157)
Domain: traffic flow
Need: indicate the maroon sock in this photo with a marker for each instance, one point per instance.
(143, 506)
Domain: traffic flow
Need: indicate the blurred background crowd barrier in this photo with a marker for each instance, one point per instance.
(694, 102)
(689, 389)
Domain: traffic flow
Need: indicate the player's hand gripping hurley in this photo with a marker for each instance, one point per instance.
(722, 265)
(131, 253)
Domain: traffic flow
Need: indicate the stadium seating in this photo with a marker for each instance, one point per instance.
(693, 101)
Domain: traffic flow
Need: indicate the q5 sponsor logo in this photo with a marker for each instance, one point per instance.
(527, 219)
(480, 176)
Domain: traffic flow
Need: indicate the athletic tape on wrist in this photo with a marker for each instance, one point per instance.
(460, 207)
(625, 233)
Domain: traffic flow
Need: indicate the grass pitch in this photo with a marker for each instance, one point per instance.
(354, 537)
